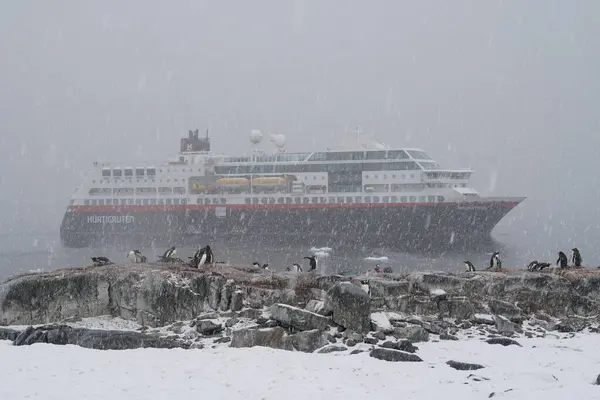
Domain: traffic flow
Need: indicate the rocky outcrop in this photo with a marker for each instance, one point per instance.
(94, 339)
(350, 306)
(298, 318)
(157, 295)
(462, 366)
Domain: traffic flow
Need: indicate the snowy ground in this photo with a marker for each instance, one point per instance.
(548, 368)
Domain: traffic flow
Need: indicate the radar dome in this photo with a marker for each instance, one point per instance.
(279, 140)
(255, 136)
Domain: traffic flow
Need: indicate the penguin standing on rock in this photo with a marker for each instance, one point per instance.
(495, 262)
(168, 255)
(532, 266)
(136, 256)
(562, 261)
(294, 268)
(469, 266)
(312, 261)
(576, 257)
(100, 261)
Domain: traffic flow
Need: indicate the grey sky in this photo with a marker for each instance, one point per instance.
(508, 87)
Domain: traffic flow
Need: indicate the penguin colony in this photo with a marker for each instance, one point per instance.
(562, 262)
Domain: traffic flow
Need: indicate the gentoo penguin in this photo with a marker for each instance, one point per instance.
(256, 264)
(469, 266)
(99, 261)
(141, 258)
(378, 269)
(295, 268)
(210, 258)
(562, 261)
(576, 257)
(388, 270)
(168, 255)
(532, 266)
(495, 262)
(265, 266)
(312, 261)
(541, 266)
(201, 256)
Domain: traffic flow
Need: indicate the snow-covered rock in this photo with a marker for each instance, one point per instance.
(351, 306)
(381, 323)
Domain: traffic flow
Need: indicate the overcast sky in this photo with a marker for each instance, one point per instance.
(509, 88)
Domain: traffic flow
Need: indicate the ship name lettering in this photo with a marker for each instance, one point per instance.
(111, 219)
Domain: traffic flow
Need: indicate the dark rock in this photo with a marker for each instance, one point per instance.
(207, 327)
(262, 319)
(231, 322)
(461, 366)
(331, 348)
(306, 341)
(317, 307)
(331, 338)
(250, 313)
(506, 309)
(298, 318)
(393, 355)
(403, 345)
(350, 343)
(571, 325)
(271, 324)
(224, 339)
(483, 319)
(210, 315)
(237, 300)
(446, 336)
(598, 380)
(503, 341)
(358, 351)
(386, 288)
(504, 326)
(8, 334)
(268, 337)
(379, 335)
(413, 333)
(371, 340)
(357, 337)
(351, 306)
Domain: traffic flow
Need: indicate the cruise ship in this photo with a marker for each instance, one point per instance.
(366, 193)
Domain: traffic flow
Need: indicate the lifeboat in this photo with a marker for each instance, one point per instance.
(232, 182)
(268, 182)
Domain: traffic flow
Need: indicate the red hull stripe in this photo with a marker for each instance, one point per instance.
(190, 207)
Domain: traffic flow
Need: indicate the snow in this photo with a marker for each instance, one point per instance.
(549, 368)
(382, 258)
(382, 322)
(437, 292)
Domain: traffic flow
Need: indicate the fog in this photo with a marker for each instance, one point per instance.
(509, 88)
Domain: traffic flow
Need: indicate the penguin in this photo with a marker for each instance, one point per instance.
(312, 261)
(469, 266)
(495, 262)
(295, 268)
(265, 266)
(140, 257)
(210, 258)
(378, 269)
(576, 257)
(532, 266)
(99, 261)
(197, 257)
(168, 255)
(388, 270)
(541, 266)
(256, 264)
(131, 256)
(562, 261)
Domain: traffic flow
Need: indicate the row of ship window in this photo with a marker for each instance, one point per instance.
(310, 167)
(343, 199)
(271, 200)
(137, 172)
